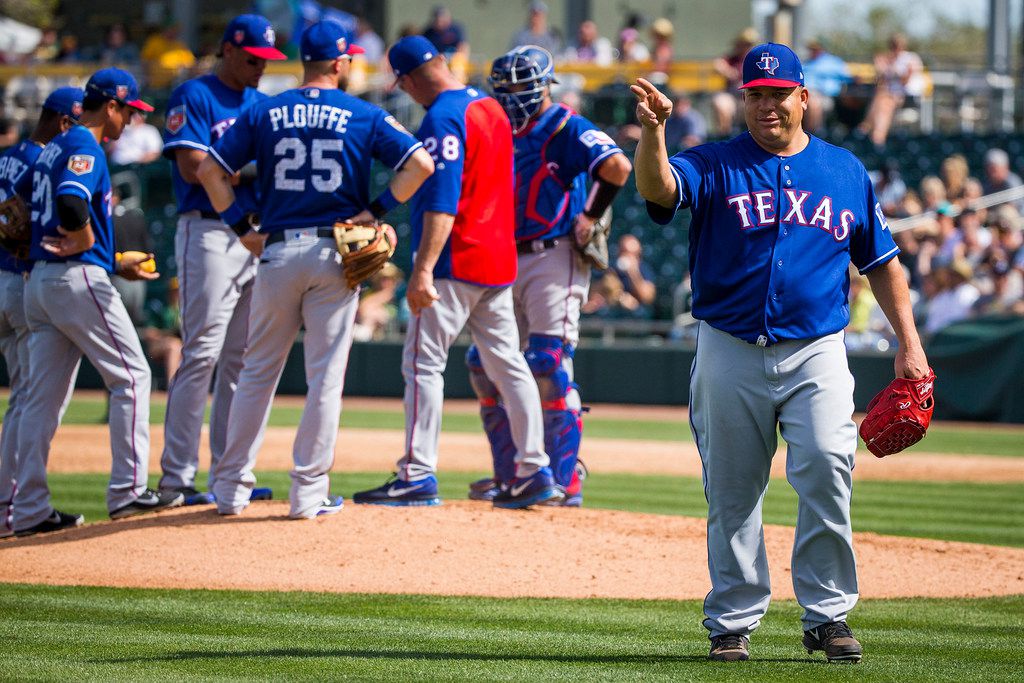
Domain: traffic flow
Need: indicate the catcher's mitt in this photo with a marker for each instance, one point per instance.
(899, 415)
(364, 249)
(595, 251)
(15, 227)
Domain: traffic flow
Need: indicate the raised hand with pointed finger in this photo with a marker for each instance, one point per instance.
(652, 108)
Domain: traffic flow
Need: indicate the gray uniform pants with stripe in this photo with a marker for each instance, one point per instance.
(739, 393)
(72, 309)
(215, 274)
(489, 314)
(14, 346)
(300, 283)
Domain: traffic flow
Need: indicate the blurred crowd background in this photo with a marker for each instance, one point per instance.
(934, 116)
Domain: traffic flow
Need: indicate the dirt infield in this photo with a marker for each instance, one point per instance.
(540, 553)
(465, 548)
(85, 448)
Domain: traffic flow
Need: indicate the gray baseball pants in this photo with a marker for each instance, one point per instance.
(300, 283)
(489, 314)
(215, 274)
(739, 393)
(72, 309)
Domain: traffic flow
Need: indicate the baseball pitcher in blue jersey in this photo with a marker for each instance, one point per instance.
(778, 216)
(72, 309)
(215, 272)
(60, 111)
(314, 147)
(556, 152)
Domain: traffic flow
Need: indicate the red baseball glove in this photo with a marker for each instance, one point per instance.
(899, 415)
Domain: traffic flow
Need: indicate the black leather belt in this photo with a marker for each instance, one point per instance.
(536, 246)
(210, 215)
(279, 235)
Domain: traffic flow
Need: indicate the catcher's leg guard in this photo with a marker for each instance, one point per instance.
(492, 412)
(563, 426)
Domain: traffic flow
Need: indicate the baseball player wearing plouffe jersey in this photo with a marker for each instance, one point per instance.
(314, 146)
(72, 309)
(60, 111)
(777, 217)
(555, 151)
(463, 266)
(215, 271)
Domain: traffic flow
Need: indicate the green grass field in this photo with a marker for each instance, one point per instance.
(86, 633)
(59, 633)
(940, 439)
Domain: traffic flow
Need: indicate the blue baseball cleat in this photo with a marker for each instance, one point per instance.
(535, 489)
(330, 505)
(399, 493)
(484, 489)
(262, 493)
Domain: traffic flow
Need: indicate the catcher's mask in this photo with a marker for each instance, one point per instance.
(527, 65)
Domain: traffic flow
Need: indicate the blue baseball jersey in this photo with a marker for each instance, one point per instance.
(554, 156)
(16, 179)
(199, 112)
(314, 149)
(73, 164)
(771, 238)
(470, 139)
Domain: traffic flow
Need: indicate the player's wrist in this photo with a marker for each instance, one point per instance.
(384, 202)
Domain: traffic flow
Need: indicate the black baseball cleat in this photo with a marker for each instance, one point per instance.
(729, 647)
(149, 501)
(836, 640)
(55, 522)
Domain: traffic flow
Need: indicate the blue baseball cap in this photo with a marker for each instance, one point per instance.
(325, 41)
(254, 34)
(116, 84)
(409, 54)
(67, 101)
(772, 64)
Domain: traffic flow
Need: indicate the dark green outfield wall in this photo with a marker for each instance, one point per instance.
(980, 369)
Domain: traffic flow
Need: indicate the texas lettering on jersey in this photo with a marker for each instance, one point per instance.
(758, 209)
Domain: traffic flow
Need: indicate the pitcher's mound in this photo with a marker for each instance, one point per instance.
(466, 548)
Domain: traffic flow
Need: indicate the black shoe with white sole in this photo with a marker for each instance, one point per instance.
(149, 501)
(55, 522)
(729, 647)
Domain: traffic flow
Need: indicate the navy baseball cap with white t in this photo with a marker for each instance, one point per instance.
(774, 65)
(67, 101)
(325, 41)
(409, 54)
(116, 84)
(254, 34)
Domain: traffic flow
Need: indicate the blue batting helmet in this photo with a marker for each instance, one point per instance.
(518, 79)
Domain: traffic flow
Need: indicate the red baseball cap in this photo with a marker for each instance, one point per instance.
(254, 34)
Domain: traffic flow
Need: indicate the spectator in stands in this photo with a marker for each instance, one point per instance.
(636, 276)
(955, 298)
(140, 143)
(165, 56)
(368, 39)
(890, 189)
(446, 35)
(933, 192)
(729, 67)
(1005, 295)
(825, 74)
(69, 52)
(1006, 224)
(590, 46)
(162, 336)
(948, 235)
(998, 176)
(117, 50)
(955, 174)
(537, 32)
(48, 48)
(686, 126)
(9, 133)
(899, 76)
(631, 48)
(377, 304)
(662, 50)
(973, 238)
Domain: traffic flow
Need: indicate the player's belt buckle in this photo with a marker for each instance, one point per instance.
(299, 233)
